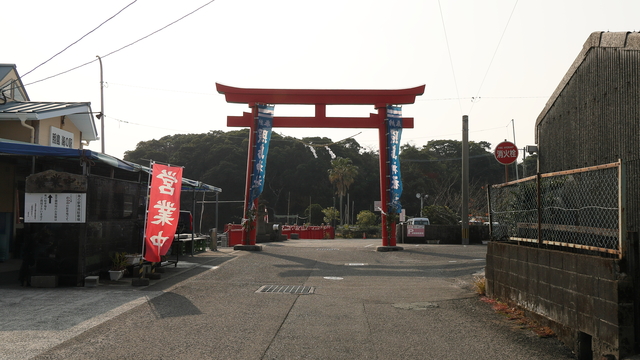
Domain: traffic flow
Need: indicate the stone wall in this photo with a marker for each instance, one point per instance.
(585, 299)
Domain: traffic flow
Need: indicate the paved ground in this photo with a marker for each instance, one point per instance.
(412, 304)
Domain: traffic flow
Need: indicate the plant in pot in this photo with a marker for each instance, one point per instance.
(133, 259)
(119, 263)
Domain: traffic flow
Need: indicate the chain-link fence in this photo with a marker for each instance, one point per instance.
(576, 209)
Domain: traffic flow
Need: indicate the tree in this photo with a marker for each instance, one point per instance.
(315, 214)
(366, 218)
(342, 174)
(435, 170)
(440, 215)
(330, 214)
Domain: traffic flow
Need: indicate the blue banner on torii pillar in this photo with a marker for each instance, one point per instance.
(394, 131)
(263, 137)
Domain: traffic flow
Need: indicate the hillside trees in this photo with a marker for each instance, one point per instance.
(296, 176)
(435, 169)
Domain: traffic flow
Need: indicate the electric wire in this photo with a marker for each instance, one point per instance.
(122, 48)
(494, 55)
(455, 81)
(75, 42)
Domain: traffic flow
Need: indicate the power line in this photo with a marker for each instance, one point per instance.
(75, 42)
(494, 55)
(122, 48)
(450, 58)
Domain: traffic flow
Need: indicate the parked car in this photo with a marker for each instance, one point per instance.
(419, 221)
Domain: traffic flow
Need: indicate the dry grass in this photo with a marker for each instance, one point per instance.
(479, 284)
(518, 317)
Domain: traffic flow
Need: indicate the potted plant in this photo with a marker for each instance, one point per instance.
(133, 259)
(119, 263)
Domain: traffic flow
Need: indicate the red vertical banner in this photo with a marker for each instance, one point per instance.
(163, 212)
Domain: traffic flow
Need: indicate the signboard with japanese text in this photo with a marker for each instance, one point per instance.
(415, 230)
(394, 127)
(163, 212)
(263, 137)
(55, 207)
(506, 153)
(60, 138)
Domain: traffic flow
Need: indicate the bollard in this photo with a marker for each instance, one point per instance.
(213, 233)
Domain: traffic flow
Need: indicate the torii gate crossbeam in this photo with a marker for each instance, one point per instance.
(320, 98)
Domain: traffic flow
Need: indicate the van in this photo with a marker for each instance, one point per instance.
(418, 221)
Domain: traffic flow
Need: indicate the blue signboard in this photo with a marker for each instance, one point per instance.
(263, 136)
(394, 131)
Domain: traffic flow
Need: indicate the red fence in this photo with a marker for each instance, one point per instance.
(309, 232)
(234, 232)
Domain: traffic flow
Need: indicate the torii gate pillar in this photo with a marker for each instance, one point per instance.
(320, 99)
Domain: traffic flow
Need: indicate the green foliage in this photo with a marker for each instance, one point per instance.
(440, 215)
(330, 214)
(366, 218)
(529, 166)
(435, 170)
(342, 174)
(294, 174)
(314, 214)
(119, 261)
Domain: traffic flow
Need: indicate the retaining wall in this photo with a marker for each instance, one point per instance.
(585, 299)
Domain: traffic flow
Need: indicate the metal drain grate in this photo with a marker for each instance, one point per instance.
(286, 289)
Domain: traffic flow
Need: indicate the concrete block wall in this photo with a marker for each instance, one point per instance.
(582, 296)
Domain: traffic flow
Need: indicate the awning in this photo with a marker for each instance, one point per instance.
(26, 149)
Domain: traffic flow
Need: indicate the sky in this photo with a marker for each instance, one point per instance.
(497, 61)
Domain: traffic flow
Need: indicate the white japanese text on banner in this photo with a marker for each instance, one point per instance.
(263, 137)
(394, 128)
(163, 212)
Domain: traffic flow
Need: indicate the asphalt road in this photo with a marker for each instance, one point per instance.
(412, 304)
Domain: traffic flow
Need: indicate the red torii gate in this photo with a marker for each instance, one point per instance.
(320, 99)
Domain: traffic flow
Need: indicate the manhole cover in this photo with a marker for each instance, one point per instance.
(286, 289)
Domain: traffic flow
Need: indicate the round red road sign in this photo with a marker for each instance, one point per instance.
(506, 153)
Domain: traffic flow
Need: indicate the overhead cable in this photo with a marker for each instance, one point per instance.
(75, 42)
(494, 55)
(122, 48)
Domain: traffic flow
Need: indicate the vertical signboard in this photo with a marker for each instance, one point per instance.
(163, 212)
(394, 128)
(265, 122)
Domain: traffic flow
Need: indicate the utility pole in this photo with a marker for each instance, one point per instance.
(465, 180)
(101, 115)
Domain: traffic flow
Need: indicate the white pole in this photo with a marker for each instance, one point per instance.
(102, 137)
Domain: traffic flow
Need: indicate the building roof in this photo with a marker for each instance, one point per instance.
(598, 39)
(10, 83)
(13, 147)
(5, 69)
(79, 113)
